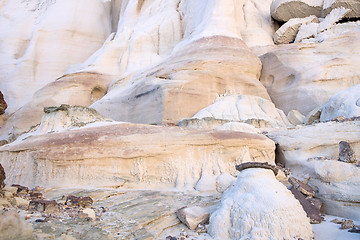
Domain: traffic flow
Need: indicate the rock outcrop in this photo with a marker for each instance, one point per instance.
(40, 39)
(245, 108)
(297, 78)
(191, 79)
(315, 159)
(352, 5)
(132, 156)
(259, 206)
(289, 30)
(284, 10)
(345, 104)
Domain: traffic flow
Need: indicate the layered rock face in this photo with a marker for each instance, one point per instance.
(132, 156)
(315, 159)
(172, 94)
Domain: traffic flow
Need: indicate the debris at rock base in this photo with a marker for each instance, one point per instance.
(193, 216)
(311, 211)
(347, 224)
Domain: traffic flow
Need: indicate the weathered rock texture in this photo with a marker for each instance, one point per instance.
(40, 39)
(345, 104)
(245, 108)
(191, 79)
(311, 154)
(288, 31)
(81, 89)
(353, 5)
(284, 10)
(259, 206)
(132, 155)
(305, 76)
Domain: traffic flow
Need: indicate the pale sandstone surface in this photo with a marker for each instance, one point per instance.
(81, 89)
(295, 117)
(191, 79)
(259, 207)
(289, 30)
(343, 104)
(39, 39)
(133, 156)
(243, 108)
(284, 10)
(305, 151)
(148, 31)
(304, 76)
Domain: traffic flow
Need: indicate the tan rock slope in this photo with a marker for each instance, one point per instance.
(130, 155)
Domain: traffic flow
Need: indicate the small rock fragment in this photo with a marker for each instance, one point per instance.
(302, 187)
(3, 142)
(337, 221)
(3, 104)
(193, 216)
(294, 116)
(201, 229)
(90, 212)
(21, 190)
(355, 230)
(46, 206)
(21, 203)
(2, 176)
(346, 153)
(347, 224)
(78, 201)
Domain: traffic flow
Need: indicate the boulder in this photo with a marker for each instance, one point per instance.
(169, 157)
(193, 216)
(346, 153)
(352, 5)
(312, 212)
(295, 117)
(284, 10)
(46, 206)
(336, 183)
(288, 31)
(244, 108)
(345, 104)
(13, 226)
(296, 78)
(258, 206)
